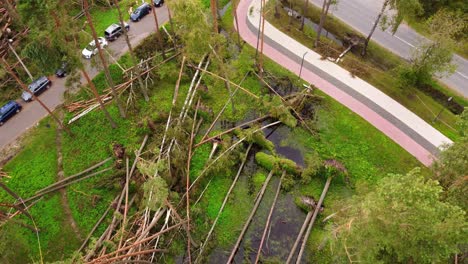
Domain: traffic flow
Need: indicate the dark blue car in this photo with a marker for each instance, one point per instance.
(9, 110)
(140, 12)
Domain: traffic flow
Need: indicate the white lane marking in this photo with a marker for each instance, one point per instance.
(404, 41)
(464, 76)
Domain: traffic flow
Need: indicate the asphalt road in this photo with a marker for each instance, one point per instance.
(361, 14)
(32, 112)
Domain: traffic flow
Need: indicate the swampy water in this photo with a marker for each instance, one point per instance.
(286, 220)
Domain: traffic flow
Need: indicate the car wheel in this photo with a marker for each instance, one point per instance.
(1, 123)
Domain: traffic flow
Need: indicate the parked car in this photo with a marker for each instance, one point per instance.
(62, 71)
(140, 12)
(158, 3)
(91, 49)
(114, 31)
(36, 87)
(8, 110)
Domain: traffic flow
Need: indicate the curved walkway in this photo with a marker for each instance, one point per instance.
(394, 120)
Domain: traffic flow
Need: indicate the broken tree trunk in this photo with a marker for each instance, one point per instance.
(64, 185)
(252, 213)
(299, 236)
(267, 223)
(224, 203)
(311, 224)
(75, 175)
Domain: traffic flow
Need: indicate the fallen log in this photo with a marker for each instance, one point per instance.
(311, 224)
(226, 197)
(74, 175)
(62, 186)
(267, 223)
(252, 213)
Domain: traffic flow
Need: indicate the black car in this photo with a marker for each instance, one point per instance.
(158, 3)
(140, 12)
(114, 31)
(36, 87)
(62, 71)
(8, 110)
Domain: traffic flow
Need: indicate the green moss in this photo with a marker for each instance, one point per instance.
(270, 162)
(258, 179)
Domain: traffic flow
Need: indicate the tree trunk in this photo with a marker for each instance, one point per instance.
(226, 197)
(267, 223)
(384, 6)
(234, 13)
(214, 13)
(304, 12)
(252, 213)
(103, 60)
(132, 54)
(158, 34)
(21, 62)
(23, 86)
(314, 216)
(323, 16)
(98, 98)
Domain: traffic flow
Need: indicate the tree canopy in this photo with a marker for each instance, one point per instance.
(402, 220)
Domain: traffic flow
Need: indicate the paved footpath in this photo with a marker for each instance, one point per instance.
(401, 125)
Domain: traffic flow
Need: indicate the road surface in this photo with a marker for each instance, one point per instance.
(32, 112)
(401, 125)
(361, 14)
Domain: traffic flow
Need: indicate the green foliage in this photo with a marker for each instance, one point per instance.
(313, 165)
(255, 137)
(403, 219)
(270, 162)
(155, 193)
(278, 110)
(435, 58)
(403, 9)
(451, 167)
(193, 26)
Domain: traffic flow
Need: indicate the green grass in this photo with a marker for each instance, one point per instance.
(379, 68)
(35, 167)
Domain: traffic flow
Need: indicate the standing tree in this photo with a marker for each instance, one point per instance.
(132, 54)
(400, 9)
(158, 34)
(103, 60)
(304, 12)
(435, 57)
(323, 17)
(451, 167)
(402, 220)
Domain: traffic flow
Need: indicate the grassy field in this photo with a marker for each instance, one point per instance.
(380, 68)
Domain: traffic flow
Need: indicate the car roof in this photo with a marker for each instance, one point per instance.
(143, 5)
(37, 82)
(7, 106)
(112, 27)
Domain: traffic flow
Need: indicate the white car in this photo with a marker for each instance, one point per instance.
(91, 49)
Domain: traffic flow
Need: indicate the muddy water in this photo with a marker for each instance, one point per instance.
(287, 217)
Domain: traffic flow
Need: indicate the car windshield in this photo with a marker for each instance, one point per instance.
(91, 46)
